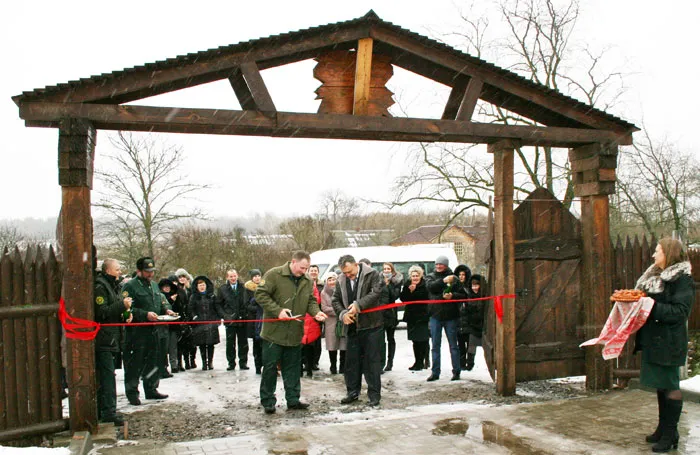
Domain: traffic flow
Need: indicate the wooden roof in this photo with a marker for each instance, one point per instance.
(409, 50)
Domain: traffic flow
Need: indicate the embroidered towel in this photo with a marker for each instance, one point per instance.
(625, 319)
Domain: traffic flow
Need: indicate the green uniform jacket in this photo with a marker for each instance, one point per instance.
(146, 298)
(278, 291)
(109, 307)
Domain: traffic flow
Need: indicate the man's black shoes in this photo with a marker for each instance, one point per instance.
(244, 367)
(269, 409)
(433, 377)
(373, 403)
(349, 399)
(117, 420)
(455, 377)
(298, 406)
(134, 401)
(156, 396)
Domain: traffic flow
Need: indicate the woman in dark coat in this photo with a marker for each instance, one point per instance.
(391, 290)
(464, 274)
(663, 339)
(201, 308)
(255, 311)
(416, 316)
(472, 315)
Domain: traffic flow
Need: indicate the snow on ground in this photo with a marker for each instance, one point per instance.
(692, 384)
(218, 389)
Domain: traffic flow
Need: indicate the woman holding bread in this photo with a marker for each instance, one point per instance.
(663, 339)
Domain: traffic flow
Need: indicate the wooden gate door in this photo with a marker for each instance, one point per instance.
(549, 311)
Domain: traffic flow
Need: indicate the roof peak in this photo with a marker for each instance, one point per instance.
(371, 15)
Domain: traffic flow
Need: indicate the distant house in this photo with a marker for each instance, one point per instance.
(469, 242)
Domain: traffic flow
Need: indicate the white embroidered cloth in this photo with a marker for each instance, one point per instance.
(625, 319)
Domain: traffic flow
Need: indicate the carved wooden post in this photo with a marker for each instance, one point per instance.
(504, 254)
(76, 151)
(594, 179)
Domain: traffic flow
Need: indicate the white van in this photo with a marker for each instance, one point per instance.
(402, 257)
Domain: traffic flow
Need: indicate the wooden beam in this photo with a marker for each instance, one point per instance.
(471, 96)
(240, 88)
(504, 254)
(285, 124)
(455, 99)
(494, 78)
(594, 188)
(363, 76)
(594, 163)
(145, 81)
(596, 285)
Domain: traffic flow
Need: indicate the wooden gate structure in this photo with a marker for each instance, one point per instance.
(549, 321)
(30, 351)
(356, 109)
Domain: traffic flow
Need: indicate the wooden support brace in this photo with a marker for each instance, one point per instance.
(250, 88)
(471, 96)
(455, 99)
(363, 76)
(504, 254)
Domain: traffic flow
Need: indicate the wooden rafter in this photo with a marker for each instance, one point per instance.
(290, 124)
(455, 99)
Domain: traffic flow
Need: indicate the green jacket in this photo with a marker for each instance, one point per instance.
(109, 307)
(279, 291)
(146, 298)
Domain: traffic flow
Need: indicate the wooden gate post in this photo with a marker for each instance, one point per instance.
(594, 179)
(504, 254)
(76, 152)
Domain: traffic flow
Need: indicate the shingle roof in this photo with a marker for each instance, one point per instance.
(369, 19)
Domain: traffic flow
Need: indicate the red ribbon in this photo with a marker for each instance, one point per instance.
(84, 329)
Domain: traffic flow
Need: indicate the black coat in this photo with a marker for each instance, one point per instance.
(472, 314)
(232, 305)
(436, 286)
(202, 308)
(663, 339)
(109, 308)
(416, 316)
(389, 294)
(255, 311)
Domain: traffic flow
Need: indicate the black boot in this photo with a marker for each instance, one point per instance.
(669, 431)
(661, 400)
(333, 355)
(418, 355)
(341, 368)
(210, 356)
(390, 359)
(193, 358)
(470, 362)
(203, 354)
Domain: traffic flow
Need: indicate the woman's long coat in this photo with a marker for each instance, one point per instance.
(201, 308)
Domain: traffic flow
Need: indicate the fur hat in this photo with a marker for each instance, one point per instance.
(183, 272)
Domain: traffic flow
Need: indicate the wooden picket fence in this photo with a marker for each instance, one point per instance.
(630, 259)
(30, 351)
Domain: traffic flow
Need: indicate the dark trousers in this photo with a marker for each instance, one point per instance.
(463, 341)
(364, 356)
(390, 347)
(141, 361)
(257, 353)
(290, 358)
(317, 352)
(236, 333)
(106, 384)
(163, 349)
(308, 358)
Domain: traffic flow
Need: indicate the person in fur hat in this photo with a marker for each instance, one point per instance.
(663, 339)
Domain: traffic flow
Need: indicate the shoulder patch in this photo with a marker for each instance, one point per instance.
(125, 294)
(100, 300)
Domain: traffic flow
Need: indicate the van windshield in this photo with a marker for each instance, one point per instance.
(402, 267)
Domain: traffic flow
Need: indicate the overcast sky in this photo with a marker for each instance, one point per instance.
(45, 43)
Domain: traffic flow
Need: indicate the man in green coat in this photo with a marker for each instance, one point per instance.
(140, 357)
(286, 294)
(110, 307)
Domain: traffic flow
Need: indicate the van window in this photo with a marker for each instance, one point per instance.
(402, 267)
(322, 269)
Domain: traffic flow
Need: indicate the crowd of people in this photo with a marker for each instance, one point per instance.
(298, 311)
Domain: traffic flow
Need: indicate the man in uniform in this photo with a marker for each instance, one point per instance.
(285, 294)
(141, 359)
(110, 307)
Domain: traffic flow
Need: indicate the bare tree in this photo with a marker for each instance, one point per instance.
(143, 193)
(658, 187)
(538, 45)
(337, 207)
(9, 237)
(311, 233)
